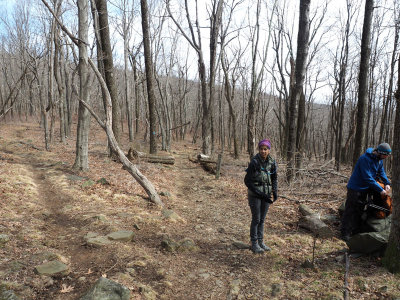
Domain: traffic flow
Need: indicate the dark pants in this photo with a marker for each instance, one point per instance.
(259, 209)
(352, 217)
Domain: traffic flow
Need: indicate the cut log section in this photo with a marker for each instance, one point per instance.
(208, 163)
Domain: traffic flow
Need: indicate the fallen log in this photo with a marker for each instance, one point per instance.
(136, 156)
(169, 160)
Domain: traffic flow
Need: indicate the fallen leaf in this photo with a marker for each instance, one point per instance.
(66, 289)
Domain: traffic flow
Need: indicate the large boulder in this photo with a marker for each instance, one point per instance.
(374, 240)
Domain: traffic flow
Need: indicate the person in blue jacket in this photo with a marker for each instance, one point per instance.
(262, 182)
(368, 169)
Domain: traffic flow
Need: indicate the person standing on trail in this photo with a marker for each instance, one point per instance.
(262, 182)
(362, 182)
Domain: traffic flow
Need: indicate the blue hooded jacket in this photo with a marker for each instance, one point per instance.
(368, 168)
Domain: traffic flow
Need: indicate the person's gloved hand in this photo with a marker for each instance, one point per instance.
(267, 198)
(275, 195)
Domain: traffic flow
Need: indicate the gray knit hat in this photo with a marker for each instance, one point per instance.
(384, 149)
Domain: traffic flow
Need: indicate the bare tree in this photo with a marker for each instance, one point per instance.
(82, 135)
(383, 132)
(149, 76)
(196, 42)
(104, 29)
(363, 81)
(125, 30)
(391, 259)
(301, 62)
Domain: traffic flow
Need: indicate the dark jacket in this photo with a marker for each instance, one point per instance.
(368, 168)
(261, 178)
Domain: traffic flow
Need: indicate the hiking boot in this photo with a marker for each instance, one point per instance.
(263, 246)
(256, 248)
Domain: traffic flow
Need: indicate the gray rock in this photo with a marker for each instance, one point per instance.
(4, 238)
(106, 289)
(8, 295)
(187, 245)
(275, 289)
(90, 235)
(98, 241)
(88, 183)
(167, 194)
(52, 268)
(131, 271)
(171, 215)
(240, 245)
(184, 245)
(169, 245)
(122, 235)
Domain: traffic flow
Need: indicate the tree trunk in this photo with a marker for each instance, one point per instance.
(82, 136)
(128, 100)
(300, 70)
(215, 23)
(58, 53)
(342, 91)
(101, 6)
(388, 101)
(363, 81)
(391, 259)
(149, 76)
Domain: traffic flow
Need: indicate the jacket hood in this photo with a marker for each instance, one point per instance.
(369, 150)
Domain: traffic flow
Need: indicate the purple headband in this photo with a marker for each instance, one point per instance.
(265, 143)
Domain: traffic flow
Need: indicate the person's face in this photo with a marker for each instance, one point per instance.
(383, 156)
(264, 151)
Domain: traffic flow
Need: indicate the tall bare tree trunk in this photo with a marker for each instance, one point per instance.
(342, 91)
(363, 81)
(126, 36)
(388, 101)
(82, 135)
(58, 60)
(149, 76)
(104, 29)
(391, 259)
(215, 23)
(297, 94)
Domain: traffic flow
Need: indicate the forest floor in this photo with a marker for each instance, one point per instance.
(47, 207)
